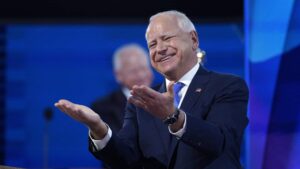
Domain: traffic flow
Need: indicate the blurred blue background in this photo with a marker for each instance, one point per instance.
(272, 50)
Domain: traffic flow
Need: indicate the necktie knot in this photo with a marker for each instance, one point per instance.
(177, 87)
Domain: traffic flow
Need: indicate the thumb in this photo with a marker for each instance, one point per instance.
(170, 89)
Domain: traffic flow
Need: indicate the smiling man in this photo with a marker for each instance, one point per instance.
(195, 120)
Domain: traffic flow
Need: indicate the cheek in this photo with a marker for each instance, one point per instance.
(152, 59)
(152, 54)
(152, 63)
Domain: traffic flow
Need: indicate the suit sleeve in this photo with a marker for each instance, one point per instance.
(122, 149)
(223, 126)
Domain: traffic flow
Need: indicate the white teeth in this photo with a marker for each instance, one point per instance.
(164, 59)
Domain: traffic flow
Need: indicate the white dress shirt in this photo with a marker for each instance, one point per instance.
(126, 92)
(186, 79)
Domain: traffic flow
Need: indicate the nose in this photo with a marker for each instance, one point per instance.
(161, 48)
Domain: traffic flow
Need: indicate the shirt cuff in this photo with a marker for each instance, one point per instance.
(100, 144)
(180, 132)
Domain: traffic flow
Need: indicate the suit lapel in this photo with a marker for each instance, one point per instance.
(195, 90)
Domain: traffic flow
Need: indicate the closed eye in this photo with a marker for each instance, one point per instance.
(151, 45)
(168, 37)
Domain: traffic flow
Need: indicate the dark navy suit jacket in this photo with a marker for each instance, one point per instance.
(215, 106)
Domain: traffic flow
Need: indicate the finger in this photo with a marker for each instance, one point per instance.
(137, 101)
(146, 93)
(65, 102)
(170, 88)
(68, 107)
(149, 92)
(60, 106)
(143, 101)
(73, 111)
(136, 91)
(137, 95)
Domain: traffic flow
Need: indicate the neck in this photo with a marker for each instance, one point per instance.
(179, 74)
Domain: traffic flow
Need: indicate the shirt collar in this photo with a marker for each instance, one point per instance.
(126, 92)
(187, 78)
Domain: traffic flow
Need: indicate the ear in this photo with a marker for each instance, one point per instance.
(195, 40)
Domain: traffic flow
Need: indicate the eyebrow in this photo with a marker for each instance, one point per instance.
(164, 35)
(150, 41)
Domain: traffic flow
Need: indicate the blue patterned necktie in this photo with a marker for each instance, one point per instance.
(177, 87)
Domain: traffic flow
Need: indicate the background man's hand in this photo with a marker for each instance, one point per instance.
(84, 115)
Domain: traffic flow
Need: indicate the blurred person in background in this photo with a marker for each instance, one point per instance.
(131, 67)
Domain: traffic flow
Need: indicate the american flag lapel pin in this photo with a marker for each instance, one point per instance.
(198, 90)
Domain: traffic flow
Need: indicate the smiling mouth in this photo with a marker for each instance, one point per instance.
(166, 58)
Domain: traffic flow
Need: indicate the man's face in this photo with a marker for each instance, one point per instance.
(134, 69)
(172, 50)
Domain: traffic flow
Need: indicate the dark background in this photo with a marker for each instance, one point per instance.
(89, 10)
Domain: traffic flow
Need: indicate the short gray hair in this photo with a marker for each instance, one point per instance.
(183, 21)
(130, 46)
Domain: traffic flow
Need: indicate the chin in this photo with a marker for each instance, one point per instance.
(168, 72)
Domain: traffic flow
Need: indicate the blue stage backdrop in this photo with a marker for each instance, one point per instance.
(273, 60)
(48, 62)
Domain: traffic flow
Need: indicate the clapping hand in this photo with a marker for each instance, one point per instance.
(84, 115)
